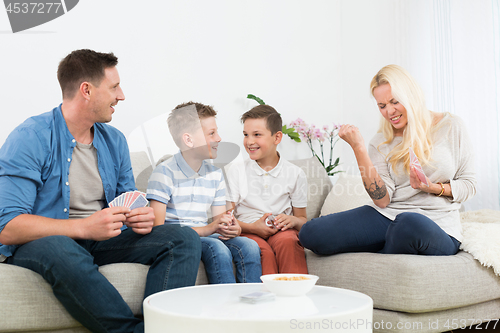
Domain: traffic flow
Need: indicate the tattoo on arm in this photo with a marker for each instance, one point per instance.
(375, 191)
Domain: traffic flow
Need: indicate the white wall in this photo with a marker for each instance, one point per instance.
(312, 59)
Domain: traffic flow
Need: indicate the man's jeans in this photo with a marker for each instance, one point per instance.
(71, 268)
(218, 256)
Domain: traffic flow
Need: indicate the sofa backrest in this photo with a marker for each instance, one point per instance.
(142, 169)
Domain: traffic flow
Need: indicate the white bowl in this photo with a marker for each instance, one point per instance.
(289, 288)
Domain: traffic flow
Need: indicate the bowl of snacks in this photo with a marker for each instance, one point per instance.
(289, 284)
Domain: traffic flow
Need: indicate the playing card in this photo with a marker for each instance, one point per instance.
(270, 221)
(126, 199)
(121, 200)
(140, 201)
(418, 168)
(132, 199)
(132, 196)
(231, 214)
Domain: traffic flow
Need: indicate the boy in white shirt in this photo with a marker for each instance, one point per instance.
(183, 188)
(269, 186)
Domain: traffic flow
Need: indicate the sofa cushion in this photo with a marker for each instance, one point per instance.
(142, 169)
(27, 290)
(347, 193)
(409, 283)
(27, 302)
(318, 184)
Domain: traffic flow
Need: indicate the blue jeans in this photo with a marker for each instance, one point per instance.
(218, 255)
(364, 229)
(71, 268)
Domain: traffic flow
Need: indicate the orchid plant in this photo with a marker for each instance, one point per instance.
(311, 134)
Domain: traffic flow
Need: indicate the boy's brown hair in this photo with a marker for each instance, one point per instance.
(266, 112)
(186, 117)
(80, 66)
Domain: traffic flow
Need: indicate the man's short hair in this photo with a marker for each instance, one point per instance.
(83, 66)
(268, 113)
(186, 117)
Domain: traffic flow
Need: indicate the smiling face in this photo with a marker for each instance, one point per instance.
(104, 97)
(393, 111)
(206, 139)
(259, 143)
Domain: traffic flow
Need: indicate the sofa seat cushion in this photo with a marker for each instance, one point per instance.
(409, 283)
(27, 301)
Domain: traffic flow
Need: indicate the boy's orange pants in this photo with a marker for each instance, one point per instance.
(281, 253)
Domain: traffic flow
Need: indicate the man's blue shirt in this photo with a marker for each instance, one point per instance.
(34, 168)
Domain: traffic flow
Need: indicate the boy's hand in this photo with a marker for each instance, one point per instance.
(233, 230)
(261, 229)
(141, 220)
(231, 227)
(283, 222)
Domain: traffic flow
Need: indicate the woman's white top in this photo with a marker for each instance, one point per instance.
(452, 161)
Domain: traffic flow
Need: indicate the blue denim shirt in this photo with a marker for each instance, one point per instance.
(34, 168)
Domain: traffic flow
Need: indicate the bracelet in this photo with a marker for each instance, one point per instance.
(442, 189)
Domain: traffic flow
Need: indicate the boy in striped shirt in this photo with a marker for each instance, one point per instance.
(183, 188)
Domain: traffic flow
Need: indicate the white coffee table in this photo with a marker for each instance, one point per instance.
(218, 309)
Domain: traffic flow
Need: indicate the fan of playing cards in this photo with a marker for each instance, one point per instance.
(132, 200)
(418, 168)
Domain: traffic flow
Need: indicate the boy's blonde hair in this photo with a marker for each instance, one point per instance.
(186, 117)
(417, 133)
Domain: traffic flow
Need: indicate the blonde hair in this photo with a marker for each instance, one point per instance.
(186, 117)
(417, 133)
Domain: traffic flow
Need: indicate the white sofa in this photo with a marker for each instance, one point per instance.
(410, 293)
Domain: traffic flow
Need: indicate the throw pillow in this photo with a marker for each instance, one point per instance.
(318, 184)
(347, 193)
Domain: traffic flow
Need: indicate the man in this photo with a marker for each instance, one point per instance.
(58, 172)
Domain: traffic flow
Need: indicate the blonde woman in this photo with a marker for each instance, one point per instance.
(406, 216)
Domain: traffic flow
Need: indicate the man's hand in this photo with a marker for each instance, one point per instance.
(104, 224)
(141, 220)
(260, 228)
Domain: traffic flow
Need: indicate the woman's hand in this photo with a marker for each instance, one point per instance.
(415, 181)
(418, 185)
(351, 135)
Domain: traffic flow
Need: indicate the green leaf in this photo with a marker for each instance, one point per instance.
(319, 159)
(292, 134)
(260, 101)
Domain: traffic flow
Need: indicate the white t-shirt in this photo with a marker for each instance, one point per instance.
(256, 191)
